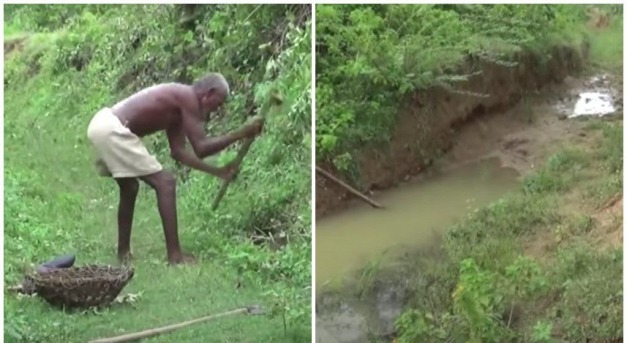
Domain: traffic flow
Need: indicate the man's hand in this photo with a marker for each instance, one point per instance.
(253, 128)
(228, 172)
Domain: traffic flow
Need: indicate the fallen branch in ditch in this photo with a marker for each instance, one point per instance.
(251, 310)
(348, 188)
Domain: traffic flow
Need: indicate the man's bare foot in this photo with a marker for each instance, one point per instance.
(125, 257)
(182, 258)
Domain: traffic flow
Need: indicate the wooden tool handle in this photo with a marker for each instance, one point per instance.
(275, 100)
(237, 162)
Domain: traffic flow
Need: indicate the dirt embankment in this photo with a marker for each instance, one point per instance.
(429, 120)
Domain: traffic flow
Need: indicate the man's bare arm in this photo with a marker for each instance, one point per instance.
(205, 146)
(176, 138)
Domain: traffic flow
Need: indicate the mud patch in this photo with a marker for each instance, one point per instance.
(526, 134)
(343, 326)
(350, 320)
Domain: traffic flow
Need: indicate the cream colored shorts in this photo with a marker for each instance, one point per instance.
(119, 152)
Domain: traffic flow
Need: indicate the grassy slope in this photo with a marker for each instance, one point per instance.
(55, 204)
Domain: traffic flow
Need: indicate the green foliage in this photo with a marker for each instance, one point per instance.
(543, 181)
(369, 58)
(542, 333)
(524, 278)
(475, 301)
(479, 299)
(481, 295)
(76, 59)
(415, 326)
(368, 276)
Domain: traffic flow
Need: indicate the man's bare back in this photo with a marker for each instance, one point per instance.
(156, 108)
(179, 110)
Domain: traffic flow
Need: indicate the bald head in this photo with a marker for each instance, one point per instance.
(212, 90)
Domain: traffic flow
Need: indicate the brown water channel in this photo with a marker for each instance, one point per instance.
(414, 212)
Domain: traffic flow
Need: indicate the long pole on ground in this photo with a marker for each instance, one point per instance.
(348, 188)
(165, 329)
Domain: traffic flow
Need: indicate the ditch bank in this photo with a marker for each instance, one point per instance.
(529, 123)
(521, 126)
(429, 120)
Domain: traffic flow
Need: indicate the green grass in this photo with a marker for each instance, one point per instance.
(56, 204)
(606, 52)
(591, 286)
(368, 275)
(11, 30)
(167, 296)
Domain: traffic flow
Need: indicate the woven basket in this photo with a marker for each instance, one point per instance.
(81, 287)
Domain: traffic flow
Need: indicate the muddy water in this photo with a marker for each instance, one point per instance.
(414, 213)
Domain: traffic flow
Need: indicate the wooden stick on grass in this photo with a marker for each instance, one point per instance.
(169, 328)
(348, 188)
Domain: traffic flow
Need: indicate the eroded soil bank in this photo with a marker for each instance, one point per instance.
(521, 124)
(430, 122)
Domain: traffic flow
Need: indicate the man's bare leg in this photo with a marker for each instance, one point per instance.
(129, 187)
(164, 184)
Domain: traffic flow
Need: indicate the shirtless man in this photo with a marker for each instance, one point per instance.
(179, 110)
